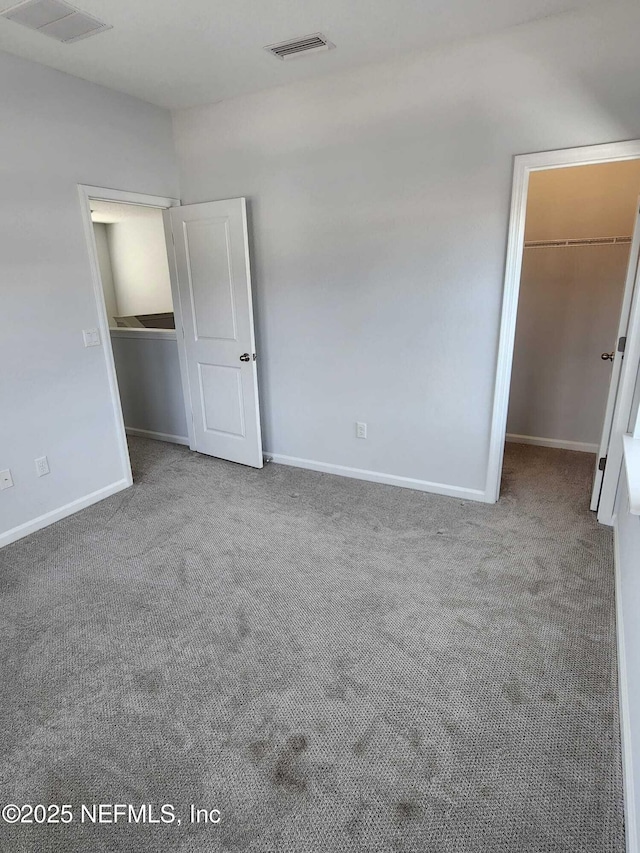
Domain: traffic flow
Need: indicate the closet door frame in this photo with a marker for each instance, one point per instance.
(523, 166)
(86, 195)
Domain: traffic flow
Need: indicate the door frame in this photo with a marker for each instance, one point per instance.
(177, 313)
(86, 194)
(523, 166)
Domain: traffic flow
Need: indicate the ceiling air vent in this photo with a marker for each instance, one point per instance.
(56, 19)
(294, 47)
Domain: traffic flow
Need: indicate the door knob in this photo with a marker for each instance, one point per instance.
(245, 357)
(608, 356)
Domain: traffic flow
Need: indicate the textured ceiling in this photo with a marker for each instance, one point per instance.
(179, 54)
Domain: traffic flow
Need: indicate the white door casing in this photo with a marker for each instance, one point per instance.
(208, 252)
(614, 386)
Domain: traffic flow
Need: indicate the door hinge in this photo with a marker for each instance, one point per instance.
(602, 463)
(622, 342)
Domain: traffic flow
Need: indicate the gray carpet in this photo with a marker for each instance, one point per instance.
(334, 665)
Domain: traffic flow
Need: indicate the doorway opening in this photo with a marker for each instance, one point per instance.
(569, 300)
(133, 265)
(172, 285)
(578, 232)
(126, 347)
(136, 285)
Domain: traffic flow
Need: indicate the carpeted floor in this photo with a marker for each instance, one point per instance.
(334, 665)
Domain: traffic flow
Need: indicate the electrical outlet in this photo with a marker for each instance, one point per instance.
(361, 430)
(91, 337)
(42, 466)
(6, 480)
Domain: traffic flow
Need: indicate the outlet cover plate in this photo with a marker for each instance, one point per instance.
(6, 480)
(42, 466)
(91, 337)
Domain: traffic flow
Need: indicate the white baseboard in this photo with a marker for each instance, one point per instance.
(377, 477)
(158, 436)
(630, 818)
(57, 514)
(582, 446)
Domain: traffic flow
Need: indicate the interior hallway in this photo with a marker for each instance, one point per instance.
(335, 665)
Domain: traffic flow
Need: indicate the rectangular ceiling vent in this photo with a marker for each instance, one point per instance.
(55, 19)
(295, 47)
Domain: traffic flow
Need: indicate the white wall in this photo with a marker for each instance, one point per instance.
(599, 200)
(379, 206)
(627, 531)
(58, 131)
(139, 262)
(149, 381)
(106, 272)
(568, 315)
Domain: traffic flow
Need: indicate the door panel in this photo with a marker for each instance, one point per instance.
(613, 399)
(212, 282)
(208, 257)
(222, 399)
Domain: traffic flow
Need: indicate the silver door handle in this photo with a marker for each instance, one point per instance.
(608, 356)
(245, 357)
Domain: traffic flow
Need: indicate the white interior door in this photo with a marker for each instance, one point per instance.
(211, 281)
(614, 388)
